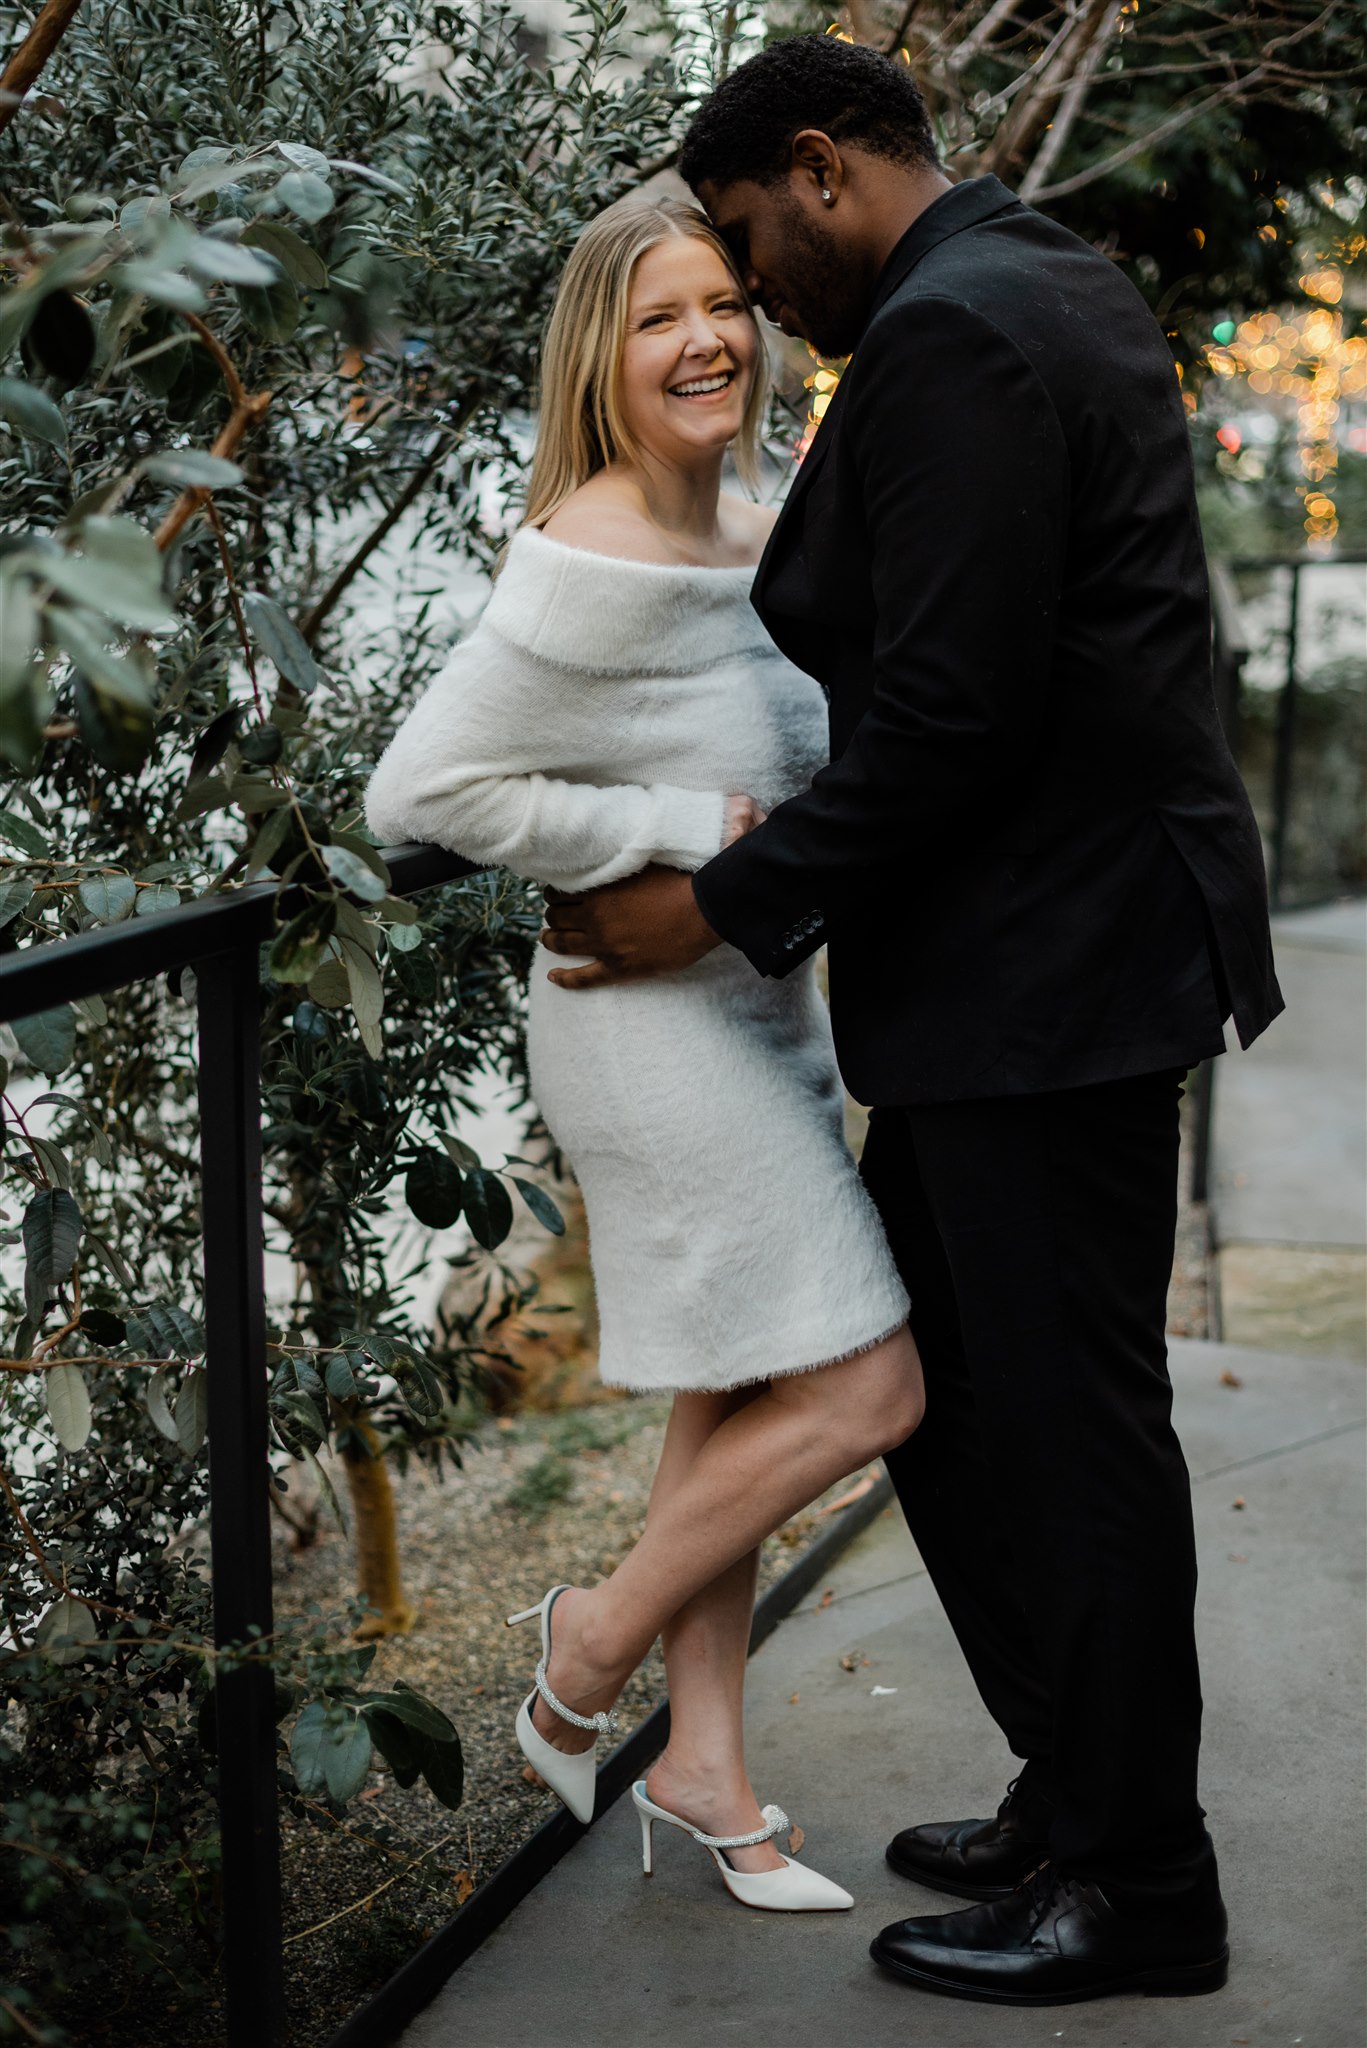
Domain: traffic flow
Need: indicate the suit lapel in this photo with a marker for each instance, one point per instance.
(963, 206)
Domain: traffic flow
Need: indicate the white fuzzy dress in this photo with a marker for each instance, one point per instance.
(591, 723)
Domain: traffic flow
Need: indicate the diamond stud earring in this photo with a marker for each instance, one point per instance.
(825, 195)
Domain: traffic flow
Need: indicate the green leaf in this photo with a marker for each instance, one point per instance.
(158, 1404)
(270, 837)
(349, 871)
(540, 1204)
(68, 1403)
(303, 157)
(394, 1742)
(339, 1378)
(305, 194)
(32, 411)
(330, 986)
(298, 949)
(155, 896)
(463, 1154)
(103, 1326)
(164, 287)
(109, 898)
(346, 1760)
(19, 832)
(227, 262)
(47, 1040)
(272, 311)
(414, 1710)
(303, 264)
(119, 675)
(66, 1630)
(308, 1741)
(263, 745)
(19, 626)
(212, 743)
(52, 1234)
(443, 1766)
(210, 794)
(15, 895)
(367, 996)
(192, 1412)
(434, 1190)
(119, 574)
(488, 1208)
(276, 634)
(115, 725)
(164, 1330)
(187, 467)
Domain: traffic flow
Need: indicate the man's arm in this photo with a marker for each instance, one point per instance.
(965, 486)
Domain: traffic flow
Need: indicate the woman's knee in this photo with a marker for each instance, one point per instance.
(892, 1399)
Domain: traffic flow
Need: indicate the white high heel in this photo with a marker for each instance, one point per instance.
(794, 1889)
(572, 1778)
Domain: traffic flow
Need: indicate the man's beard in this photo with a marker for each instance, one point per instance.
(833, 305)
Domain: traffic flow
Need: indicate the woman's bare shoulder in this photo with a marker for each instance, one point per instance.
(604, 525)
(748, 521)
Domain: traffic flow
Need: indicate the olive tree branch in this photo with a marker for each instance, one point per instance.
(54, 19)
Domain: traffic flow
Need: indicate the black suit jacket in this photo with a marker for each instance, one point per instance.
(1031, 854)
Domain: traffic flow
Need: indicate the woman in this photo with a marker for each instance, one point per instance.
(619, 704)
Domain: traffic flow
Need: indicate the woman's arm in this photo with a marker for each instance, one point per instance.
(467, 769)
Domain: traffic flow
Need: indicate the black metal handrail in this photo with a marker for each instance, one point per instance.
(219, 937)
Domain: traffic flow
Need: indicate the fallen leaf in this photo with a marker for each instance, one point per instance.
(372, 1791)
(534, 1777)
(1237, 1557)
(827, 1597)
(796, 1838)
(464, 1885)
(1240, 1502)
(847, 1662)
(793, 1698)
(1230, 1379)
(856, 1492)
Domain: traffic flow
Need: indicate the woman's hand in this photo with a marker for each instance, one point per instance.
(741, 815)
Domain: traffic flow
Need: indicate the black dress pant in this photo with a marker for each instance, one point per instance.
(1046, 1488)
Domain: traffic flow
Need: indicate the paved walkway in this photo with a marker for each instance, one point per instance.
(596, 1958)
(1289, 1190)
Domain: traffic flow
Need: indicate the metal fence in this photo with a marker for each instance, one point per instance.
(219, 937)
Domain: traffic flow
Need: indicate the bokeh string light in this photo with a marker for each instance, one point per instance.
(1306, 357)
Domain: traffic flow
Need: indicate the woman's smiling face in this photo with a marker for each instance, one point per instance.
(689, 357)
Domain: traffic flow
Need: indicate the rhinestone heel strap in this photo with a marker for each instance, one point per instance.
(776, 1822)
(606, 1724)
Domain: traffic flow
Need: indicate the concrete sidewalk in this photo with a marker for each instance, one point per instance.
(1289, 1189)
(596, 1958)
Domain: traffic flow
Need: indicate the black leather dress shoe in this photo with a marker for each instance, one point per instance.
(1057, 1941)
(977, 1859)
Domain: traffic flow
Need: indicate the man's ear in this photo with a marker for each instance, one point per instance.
(816, 158)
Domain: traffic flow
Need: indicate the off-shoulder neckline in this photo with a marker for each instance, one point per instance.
(746, 569)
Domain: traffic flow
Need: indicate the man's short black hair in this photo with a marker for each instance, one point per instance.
(744, 130)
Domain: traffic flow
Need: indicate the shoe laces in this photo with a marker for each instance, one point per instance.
(1043, 1885)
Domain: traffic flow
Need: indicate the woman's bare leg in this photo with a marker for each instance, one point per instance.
(762, 1463)
(702, 1774)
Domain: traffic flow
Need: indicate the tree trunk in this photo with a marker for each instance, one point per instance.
(379, 1578)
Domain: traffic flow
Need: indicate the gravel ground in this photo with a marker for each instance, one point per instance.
(541, 1498)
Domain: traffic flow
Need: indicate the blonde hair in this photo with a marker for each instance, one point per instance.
(581, 427)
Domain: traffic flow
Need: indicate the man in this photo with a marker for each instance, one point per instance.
(1043, 893)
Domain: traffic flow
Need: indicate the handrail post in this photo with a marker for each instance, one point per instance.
(239, 1509)
(1286, 741)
